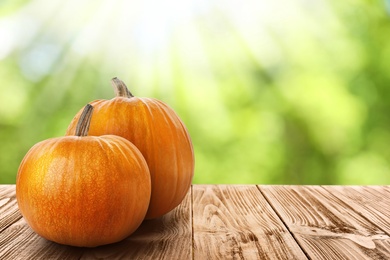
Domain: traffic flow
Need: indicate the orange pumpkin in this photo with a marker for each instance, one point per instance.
(84, 190)
(158, 133)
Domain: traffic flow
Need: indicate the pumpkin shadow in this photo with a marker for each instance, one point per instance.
(151, 239)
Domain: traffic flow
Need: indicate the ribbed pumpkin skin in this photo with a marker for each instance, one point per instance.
(156, 130)
(83, 191)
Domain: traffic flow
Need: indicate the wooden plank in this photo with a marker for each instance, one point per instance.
(373, 202)
(9, 212)
(236, 222)
(330, 222)
(19, 241)
(325, 226)
(168, 237)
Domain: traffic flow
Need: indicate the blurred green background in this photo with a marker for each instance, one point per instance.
(272, 92)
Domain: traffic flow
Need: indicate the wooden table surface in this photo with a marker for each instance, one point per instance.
(234, 222)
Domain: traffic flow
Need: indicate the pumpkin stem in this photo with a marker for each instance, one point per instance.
(82, 126)
(121, 89)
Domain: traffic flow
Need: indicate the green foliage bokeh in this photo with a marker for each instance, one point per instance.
(273, 92)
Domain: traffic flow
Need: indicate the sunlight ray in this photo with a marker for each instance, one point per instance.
(90, 40)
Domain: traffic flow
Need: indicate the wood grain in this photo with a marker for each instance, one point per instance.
(236, 222)
(372, 202)
(168, 237)
(325, 226)
(8, 206)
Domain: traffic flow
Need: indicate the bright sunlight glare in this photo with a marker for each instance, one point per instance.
(144, 31)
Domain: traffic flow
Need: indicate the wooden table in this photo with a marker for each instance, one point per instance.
(234, 222)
